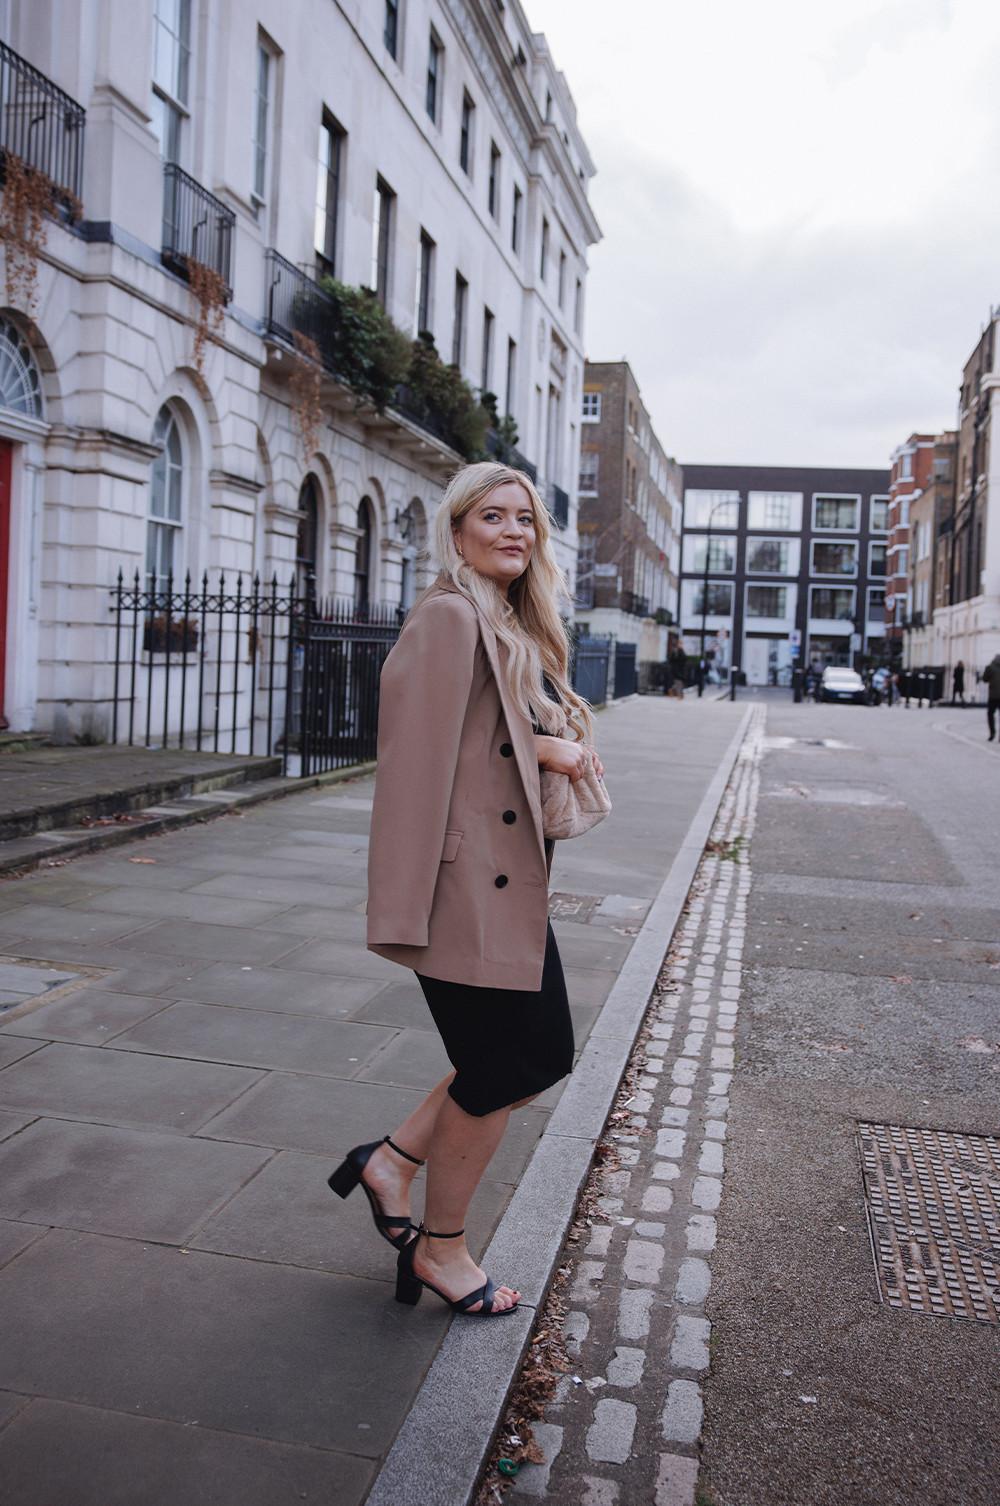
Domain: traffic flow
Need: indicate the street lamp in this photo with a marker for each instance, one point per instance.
(723, 502)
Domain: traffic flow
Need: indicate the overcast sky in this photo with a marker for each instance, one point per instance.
(800, 203)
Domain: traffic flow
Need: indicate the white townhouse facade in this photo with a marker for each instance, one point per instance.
(426, 149)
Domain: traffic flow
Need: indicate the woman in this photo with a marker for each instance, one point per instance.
(475, 698)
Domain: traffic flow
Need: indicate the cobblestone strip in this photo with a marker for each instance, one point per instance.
(623, 1425)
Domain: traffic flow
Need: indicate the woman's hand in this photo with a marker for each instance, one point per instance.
(560, 756)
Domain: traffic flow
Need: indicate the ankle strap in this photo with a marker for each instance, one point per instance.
(386, 1140)
(430, 1234)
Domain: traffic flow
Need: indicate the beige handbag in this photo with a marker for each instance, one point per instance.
(572, 806)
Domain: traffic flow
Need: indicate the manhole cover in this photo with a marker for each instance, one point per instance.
(933, 1203)
(573, 906)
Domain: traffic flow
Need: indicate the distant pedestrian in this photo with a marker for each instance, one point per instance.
(475, 698)
(991, 679)
(678, 668)
(958, 683)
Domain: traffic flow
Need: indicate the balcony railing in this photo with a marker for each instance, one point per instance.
(496, 447)
(297, 305)
(635, 605)
(558, 504)
(196, 226)
(40, 124)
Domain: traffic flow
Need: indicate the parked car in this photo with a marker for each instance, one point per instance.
(839, 684)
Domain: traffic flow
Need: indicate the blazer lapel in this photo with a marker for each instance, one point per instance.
(519, 726)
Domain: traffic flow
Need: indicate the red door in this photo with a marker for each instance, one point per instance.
(6, 451)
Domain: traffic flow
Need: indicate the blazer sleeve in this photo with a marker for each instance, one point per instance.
(424, 696)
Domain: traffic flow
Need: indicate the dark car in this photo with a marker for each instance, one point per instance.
(840, 684)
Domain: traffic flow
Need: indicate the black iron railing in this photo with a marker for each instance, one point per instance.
(297, 305)
(40, 124)
(496, 447)
(635, 605)
(196, 226)
(558, 504)
(248, 667)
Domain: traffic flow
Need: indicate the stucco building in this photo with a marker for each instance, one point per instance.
(428, 151)
(630, 516)
(931, 523)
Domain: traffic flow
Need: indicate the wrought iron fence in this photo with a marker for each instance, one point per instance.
(558, 504)
(248, 667)
(196, 226)
(40, 124)
(296, 304)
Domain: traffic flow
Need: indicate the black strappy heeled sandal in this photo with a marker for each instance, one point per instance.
(409, 1285)
(348, 1176)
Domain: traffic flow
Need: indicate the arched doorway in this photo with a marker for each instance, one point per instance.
(20, 398)
(363, 554)
(307, 537)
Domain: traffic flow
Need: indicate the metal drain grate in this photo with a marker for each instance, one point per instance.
(933, 1203)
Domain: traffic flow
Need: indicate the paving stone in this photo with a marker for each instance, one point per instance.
(54, 1452)
(711, 1158)
(88, 1017)
(138, 1183)
(12, 1124)
(675, 1116)
(600, 1239)
(258, 1038)
(263, 1350)
(14, 1048)
(576, 1326)
(293, 1111)
(680, 1095)
(634, 1306)
(657, 1199)
(715, 1129)
(681, 1421)
(283, 990)
(650, 1230)
(122, 1087)
(625, 1369)
(599, 1492)
(722, 1056)
(689, 1346)
(676, 1481)
(684, 1072)
(666, 1171)
(610, 1436)
(693, 1281)
(643, 1261)
(585, 1288)
(670, 1142)
(701, 1232)
(16, 1236)
(533, 1479)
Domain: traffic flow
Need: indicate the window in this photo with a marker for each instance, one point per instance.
(836, 513)
(390, 32)
(465, 140)
(834, 557)
(591, 408)
(548, 105)
(876, 559)
(876, 604)
(717, 602)
(171, 69)
(510, 388)
(543, 261)
(767, 556)
(515, 224)
(487, 349)
(831, 603)
(704, 509)
(721, 554)
(767, 601)
(775, 510)
(494, 188)
(879, 515)
(578, 307)
(458, 329)
(435, 57)
(331, 143)
(382, 240)
(166, 497)
(589, 470)
(307, 536)
(363, 554)
(261, 110)
(586, 555)
(562, 278)
(905, 472)
(425, 283)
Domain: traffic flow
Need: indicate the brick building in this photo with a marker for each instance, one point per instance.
(931, 523)
(629, 516)
(911, 470)
(779, 556)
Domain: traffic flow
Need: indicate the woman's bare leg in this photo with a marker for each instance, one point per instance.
(461, 1149)
(388, 1175)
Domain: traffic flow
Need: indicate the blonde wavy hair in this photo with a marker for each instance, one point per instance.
(527, 621)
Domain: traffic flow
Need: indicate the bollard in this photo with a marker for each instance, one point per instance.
(732, 681)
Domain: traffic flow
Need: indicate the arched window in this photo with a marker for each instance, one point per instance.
(308, 535)
(19, 386)
(363, 554)
(164, 554)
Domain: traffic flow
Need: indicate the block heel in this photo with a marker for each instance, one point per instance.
(350, 1174)
(409, 1284)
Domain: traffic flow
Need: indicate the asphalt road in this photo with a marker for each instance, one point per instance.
(871, 993)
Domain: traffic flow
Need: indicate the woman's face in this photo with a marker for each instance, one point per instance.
(498, 535)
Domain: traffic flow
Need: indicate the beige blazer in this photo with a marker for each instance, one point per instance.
(457, 880)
